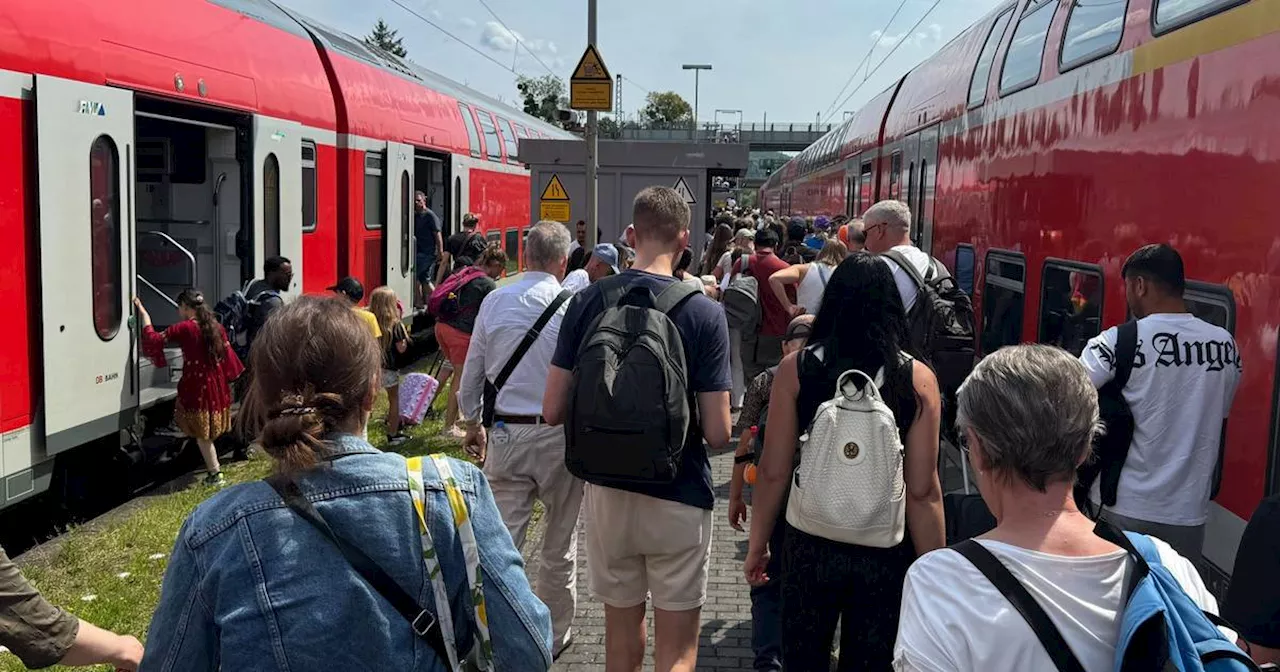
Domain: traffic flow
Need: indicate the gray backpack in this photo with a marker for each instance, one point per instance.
(742, 299)
(629, 410)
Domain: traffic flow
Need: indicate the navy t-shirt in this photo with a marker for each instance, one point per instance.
(426, 225)
(702, 327)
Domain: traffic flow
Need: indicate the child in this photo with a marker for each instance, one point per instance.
(395, 342)
(766, 600)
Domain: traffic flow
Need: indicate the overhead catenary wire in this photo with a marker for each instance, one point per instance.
(865, 59)
(519, 42)
(455, 38)
(886, 58)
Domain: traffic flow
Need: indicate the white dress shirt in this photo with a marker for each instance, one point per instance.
(506, 314)
(576, 281)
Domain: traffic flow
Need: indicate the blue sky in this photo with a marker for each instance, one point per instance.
(784, 59)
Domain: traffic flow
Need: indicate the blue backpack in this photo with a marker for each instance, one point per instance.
(1161, 628)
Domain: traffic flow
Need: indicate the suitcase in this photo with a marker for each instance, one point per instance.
(417, 391)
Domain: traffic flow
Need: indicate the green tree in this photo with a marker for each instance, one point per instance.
(386, 39)
(666, 108)
(543, 96)
(609, 128)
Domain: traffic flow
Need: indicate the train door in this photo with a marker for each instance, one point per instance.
(397, 236)
(277, 194)
(461, 199)
(927, 185)
(851, 190)
(85, 144)
(867, 189)
(910, 180)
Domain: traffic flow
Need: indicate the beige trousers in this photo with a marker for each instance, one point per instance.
(526, 463)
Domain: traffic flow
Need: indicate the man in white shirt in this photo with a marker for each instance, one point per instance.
(887, 226)
(1185, 373)
(523, 456)
(602, 263)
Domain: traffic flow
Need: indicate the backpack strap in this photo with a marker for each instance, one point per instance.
(675, 294)
(423, 622)
(612, 289)
(1018, 596)
(491, 389)
(1126, 351)
(910, 268)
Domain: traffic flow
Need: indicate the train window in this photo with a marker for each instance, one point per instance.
(895, 175)
(512, 245)
(1214, 304)
(308, 185)
(473, 137)
(513, 145)
(1172, 14)
(375, 191)
(982, 71)
(271, 206)
(1003, 295)
(864, 188)
(492, 143)
(1070, 304)
(964, 268)
(1094, 29)
(104, 237)
(1026, 49)
(406, 223)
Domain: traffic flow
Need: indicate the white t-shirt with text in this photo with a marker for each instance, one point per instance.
(953, 619)
(906, 285)
(1184, 378)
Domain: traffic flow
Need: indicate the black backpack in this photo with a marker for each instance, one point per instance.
(940, 323)
(629, 408)
(1111, 448)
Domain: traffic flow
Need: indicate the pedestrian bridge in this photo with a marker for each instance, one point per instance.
(775, 137)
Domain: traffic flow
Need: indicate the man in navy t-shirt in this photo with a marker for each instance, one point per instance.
(653, 540)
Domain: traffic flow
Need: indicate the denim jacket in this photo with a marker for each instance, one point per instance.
(252, 586)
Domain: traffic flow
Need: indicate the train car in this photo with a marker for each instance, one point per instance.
(1051, 139)
(145, 156)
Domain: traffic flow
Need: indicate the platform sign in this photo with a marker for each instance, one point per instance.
(554, 203)
(685, 192)
(591, 87)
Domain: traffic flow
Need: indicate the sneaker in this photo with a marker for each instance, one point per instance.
(396, 439)
(216, 479)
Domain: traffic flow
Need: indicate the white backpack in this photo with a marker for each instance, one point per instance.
(849, 485)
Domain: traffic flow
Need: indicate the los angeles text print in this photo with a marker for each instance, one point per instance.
(1171, 349)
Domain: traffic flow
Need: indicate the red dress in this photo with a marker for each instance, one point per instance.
(204, 392)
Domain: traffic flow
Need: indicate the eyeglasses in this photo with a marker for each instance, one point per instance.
(963, 439)
(867, 231)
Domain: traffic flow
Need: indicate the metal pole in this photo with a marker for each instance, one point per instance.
(593, 139)
(695, 104)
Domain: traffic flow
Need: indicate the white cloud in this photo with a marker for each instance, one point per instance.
(496, 37)
(931, 33)
(467, 22)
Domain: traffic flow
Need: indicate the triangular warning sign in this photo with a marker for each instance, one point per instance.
(591, 67)
(685, 192)
(555, 190)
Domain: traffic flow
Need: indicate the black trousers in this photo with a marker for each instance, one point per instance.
(824, 581)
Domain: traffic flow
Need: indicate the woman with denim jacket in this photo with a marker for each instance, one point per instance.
(251, 585)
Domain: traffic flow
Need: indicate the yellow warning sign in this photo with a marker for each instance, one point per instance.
(556, 211)
(591, 87)
(591, 67)
(555, 190)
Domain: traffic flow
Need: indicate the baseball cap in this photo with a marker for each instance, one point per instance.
(821, 223)
(745, 233)
(800, 327)
(608, 254)
(350, 288)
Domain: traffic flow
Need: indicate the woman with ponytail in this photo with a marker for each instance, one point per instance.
(261, 575)
(203, 410)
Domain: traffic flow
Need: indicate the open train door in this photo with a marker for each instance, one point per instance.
(461, 193)
(85, 142)
(397, 237)
(277, 194)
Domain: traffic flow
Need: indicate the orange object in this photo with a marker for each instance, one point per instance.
(749, 474)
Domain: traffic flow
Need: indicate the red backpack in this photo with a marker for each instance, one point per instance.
(445, 302)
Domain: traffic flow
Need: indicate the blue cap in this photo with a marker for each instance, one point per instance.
(608, 254)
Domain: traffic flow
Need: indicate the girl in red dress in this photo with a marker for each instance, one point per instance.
(209, 364)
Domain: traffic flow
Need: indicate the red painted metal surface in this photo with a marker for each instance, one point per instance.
(320, 247)
(19, 369)
(1166, 140)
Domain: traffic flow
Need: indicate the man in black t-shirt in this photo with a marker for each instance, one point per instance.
(462, 248)
(426, 235)
(653, 540)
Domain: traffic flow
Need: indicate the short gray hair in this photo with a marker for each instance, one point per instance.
(893, 213)
(547, 244)
(1034, 410)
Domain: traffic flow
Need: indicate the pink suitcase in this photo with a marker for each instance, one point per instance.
(417, 390)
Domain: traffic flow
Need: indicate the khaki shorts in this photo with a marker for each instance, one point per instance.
(639, 546)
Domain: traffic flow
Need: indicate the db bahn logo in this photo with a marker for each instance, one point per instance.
(106, 378)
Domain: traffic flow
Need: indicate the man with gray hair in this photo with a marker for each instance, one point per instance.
(501, 400)
(887, 229)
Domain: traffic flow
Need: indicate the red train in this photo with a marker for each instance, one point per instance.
(1051, 139)
(143, 155)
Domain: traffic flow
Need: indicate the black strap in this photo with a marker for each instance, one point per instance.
(1031, 611)
(491, 389)
(902, 262)
(675, 294)
(420, 619)
(1126, 351)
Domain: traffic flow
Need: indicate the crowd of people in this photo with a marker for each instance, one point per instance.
(597, 385)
